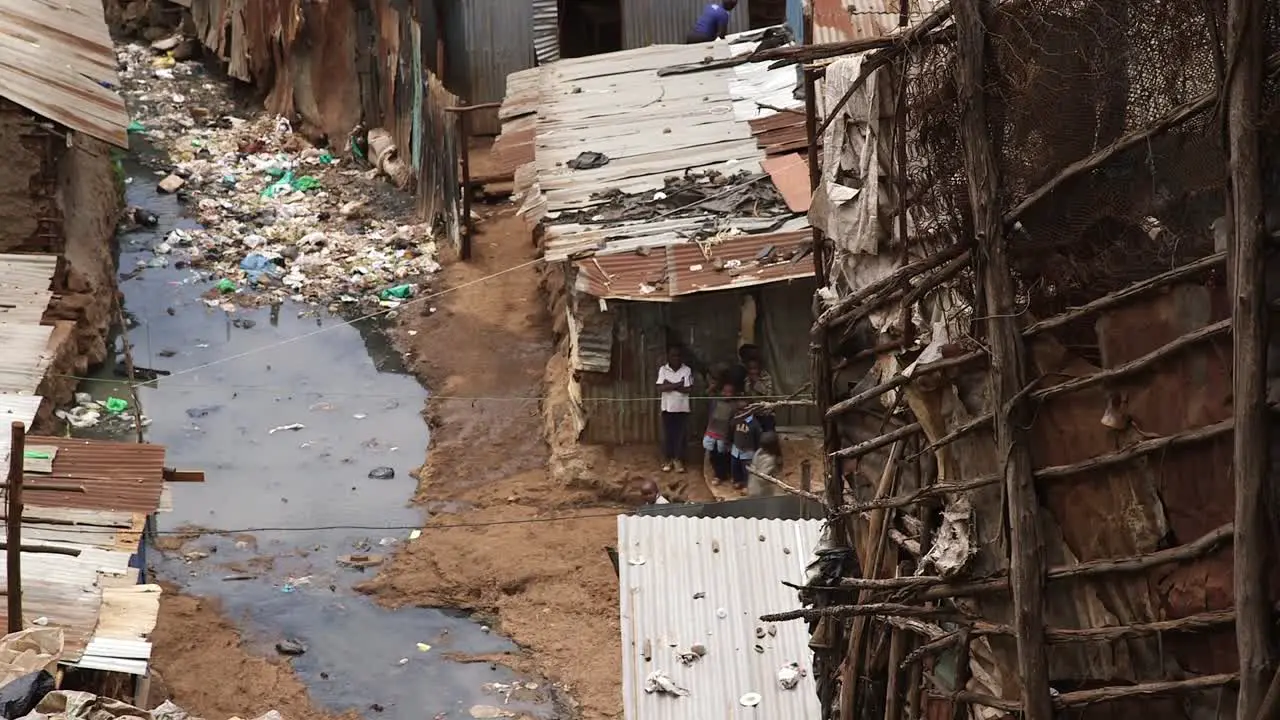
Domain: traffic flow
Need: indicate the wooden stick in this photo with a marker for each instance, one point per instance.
(785, 487)
(888, 609)
(1121, 296)
(1137, 365)
(1081, 698)
(834, 315)
(899, 380)
(876, 443)
(1145, 447)
(1247, 288)
(13, 521)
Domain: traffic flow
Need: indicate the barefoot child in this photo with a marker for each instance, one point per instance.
(719, 432)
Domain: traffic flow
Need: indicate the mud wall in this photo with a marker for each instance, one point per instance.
(60, 196)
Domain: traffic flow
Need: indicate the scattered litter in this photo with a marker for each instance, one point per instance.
(115, 405)
(488, 712)
(382, 473)
(109, 413)
(636, 560)
(588, 160)
(41, 621)
(170, 184)
(234, 578)
(789, 676)
(423, 647)
(194, 555)
(658, 681)
(281, 428)
(699, 595)
(291, 647)
(360, 561)
(750, 700)
(415, 534)
(772, 630)
(484, 629)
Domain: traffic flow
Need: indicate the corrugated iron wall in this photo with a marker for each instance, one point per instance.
(339, 64)
(498, 41)
(621, 406)
(546, 30)
(655, 22)
(795, 20)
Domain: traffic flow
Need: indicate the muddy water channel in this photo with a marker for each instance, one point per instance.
(236, 380)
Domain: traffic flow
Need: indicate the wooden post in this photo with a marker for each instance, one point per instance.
(1247, 280)
(13, 538)
(1008, 364)
(464, 130)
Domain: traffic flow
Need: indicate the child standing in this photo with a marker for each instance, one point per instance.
(746, 438)
(767, 461)
(675, 381)
(719, 432)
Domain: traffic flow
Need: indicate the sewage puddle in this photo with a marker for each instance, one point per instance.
(236, 377)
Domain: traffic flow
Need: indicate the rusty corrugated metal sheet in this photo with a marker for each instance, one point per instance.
(790, 174)
(499, 41)
(684, 269)
(739, 564)
(839, 20)
(126, 477)
(58, 61)
(658, 22)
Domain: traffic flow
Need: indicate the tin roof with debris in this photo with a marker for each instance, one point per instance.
(701, 580)
(58, 61)
(671, 158)
(843, 20)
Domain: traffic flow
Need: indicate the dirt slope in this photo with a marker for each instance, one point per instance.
(545, 581)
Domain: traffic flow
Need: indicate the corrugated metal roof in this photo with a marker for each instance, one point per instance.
(55, 58)
(25, 287)
(24, 357)
(842, 20)
(675, 573)
(126, 477)
(687, 268)
(498, 42)
(119, 642)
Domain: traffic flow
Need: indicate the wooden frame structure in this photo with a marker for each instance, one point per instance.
(882, 609)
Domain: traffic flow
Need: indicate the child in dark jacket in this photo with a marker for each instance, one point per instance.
(746, 439)
(719, 434)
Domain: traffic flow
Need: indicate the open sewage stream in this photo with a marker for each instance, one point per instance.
(288, 410)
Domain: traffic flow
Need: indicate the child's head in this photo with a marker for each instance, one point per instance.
(753, 367)
(747, 352)
(728, 387)
(770, 443)
(673, 355)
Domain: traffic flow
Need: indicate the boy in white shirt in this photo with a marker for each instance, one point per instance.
(675, 382)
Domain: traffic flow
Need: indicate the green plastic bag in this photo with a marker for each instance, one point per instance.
(398, 292)
(305, 183)
(36, 455)
(325, 158)
(136, 127)
(226, 286)
(115, 405)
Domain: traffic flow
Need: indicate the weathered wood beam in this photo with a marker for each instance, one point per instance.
(897, 381)
(1139, 449)
(876, 443)
(1246, 281)
(1081, 698)
(898, 279)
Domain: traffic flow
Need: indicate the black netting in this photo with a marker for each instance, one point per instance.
(1068, 78)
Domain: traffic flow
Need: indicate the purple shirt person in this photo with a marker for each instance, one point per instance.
(712, 23)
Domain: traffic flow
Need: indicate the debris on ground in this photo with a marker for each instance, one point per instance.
(75, 705)
(281, 216)
(658, 681)
(109, 413)
(360, 561)
(291, 647)
(382, 473)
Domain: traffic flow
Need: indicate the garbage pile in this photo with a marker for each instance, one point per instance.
(73, 705)
(112, 413)
(279, 217)
(696, 192)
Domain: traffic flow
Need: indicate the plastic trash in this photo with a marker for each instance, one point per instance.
(115, 405)
(136, 127)
(280, 428)
(789, 676)
(226, 286)
(397, 292)
(326, 158)
(305, 183)
(659, 682)
(21, 696)
(382, 473)
(291, 647)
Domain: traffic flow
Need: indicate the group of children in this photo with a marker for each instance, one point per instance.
(738, 438)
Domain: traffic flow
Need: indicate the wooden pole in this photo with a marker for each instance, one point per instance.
(1246, 280)
(1008, 364)
(13, 538)
(464, 129)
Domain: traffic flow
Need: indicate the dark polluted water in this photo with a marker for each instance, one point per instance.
(236, 377)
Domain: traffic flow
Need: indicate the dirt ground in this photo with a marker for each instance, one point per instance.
(198, 662)
(543, 578)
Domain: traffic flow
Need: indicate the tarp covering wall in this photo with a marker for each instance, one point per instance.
(337, 65)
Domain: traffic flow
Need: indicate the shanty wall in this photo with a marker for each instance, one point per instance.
(339, 64)
(620, 406)
(60, 196)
